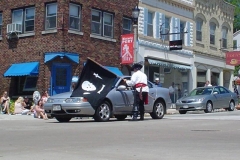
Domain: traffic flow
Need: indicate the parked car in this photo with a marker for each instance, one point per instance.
(207, 99)
(117, 103)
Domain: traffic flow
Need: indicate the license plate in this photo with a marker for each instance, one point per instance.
(57, 107)
(185, 106)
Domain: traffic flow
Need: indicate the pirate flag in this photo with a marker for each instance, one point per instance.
(94, 83)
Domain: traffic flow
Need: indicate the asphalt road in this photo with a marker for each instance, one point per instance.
(194, 136)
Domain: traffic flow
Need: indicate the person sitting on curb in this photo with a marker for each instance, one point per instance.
(39, 111)
(19, 107)
(5, 103)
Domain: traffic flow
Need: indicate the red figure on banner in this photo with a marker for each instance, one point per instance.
(127, 48)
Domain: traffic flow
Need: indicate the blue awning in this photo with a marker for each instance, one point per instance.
(22, 69)
(168, 64)
(114, 70)
(51, 55)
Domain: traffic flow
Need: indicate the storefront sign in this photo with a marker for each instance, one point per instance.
(175, 45)
(233, 58)
(127, 53)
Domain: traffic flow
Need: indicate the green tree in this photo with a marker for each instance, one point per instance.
(236, 24)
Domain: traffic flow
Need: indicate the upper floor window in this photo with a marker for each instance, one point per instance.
(224, 37)
(0, 24)
(182, 30)
(25, 17)
(150, 24)
(74, 16)
(235, 44)
(199, 24)
(51, 16)
(127, 25)
(102, 23)
(212, 32)
(167, 28)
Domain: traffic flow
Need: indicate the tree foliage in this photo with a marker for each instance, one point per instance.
(236, 24)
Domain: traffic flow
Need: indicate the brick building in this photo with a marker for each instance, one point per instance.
(44, 43)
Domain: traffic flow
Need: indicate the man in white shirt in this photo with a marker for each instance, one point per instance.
(139, 82)
(172, 92)
(207, 84)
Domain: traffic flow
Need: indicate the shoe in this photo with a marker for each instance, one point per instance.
(134, 118)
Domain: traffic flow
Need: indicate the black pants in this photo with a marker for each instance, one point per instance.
(139, 102)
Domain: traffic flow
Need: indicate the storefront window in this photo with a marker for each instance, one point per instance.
(201, 78)
(175, 79)
(215, 79)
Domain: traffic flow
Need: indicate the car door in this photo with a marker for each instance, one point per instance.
(151, 96)
(123, 99)
(226, 97)
(217, 102)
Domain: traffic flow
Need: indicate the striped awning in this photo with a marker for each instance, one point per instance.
(168, 64)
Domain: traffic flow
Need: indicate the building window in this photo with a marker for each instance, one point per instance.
(167, 27)
(74, 16)
(182, 30)
(150, 24)
(224, 37)
(25, 17)
(212, 32)
(127, 25)
(0, 24)
(235, 44)
(199, 24)
(30, 83)
(102, 23)
(51, 16)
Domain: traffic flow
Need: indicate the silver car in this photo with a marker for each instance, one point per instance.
(207, 99)
(118, 103)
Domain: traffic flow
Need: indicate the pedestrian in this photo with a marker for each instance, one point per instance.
(207, 84)
(139, 82)
(157, 82)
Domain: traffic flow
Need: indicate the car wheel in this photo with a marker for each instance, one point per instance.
(103, 112)
(231, 106)
(120, 117)
(182, 112)
(63, 119)
(158, 110)
(209, 107)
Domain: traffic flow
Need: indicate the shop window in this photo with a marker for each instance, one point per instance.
(30, 84)
(127, 25)
(74, 17)
(25, 17)
(102, 23)
(150, 24)
(51, 16)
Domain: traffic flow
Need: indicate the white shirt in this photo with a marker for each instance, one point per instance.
(138, 77)
(207, 85)
(172, 90)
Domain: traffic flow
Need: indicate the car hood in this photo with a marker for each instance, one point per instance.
(62, 95)
(193, 97)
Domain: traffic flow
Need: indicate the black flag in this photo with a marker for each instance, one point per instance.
(94, 83)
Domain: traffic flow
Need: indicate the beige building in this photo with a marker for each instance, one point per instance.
(213, 36)
(161, 21)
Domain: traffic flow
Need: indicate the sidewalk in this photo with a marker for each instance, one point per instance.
(16, 117)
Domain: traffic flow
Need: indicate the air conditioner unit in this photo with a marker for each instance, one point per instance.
(14, 28)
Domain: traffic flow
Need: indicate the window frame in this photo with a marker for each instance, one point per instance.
(46, 15)
(126, 29)
(224, 38)
(23, 18)
(102, 23)
(150, 24)
(199, 22)
(79, 16)
(1, 18)
(212, 34)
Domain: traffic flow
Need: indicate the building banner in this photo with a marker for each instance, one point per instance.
(233, 58)
(127, 53)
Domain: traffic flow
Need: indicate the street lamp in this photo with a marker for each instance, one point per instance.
(135, 14)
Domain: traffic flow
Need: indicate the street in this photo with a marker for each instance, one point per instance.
(194, 136)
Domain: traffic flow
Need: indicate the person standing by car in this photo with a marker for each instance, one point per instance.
(207, 84)
(139, 82)
(157, 82)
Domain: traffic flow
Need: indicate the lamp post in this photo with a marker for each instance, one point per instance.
(135, 14)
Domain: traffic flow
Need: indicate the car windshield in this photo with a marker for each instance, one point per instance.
(201, 91)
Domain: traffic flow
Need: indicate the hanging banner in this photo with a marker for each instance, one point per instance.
(233, 58)
(127, 54)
